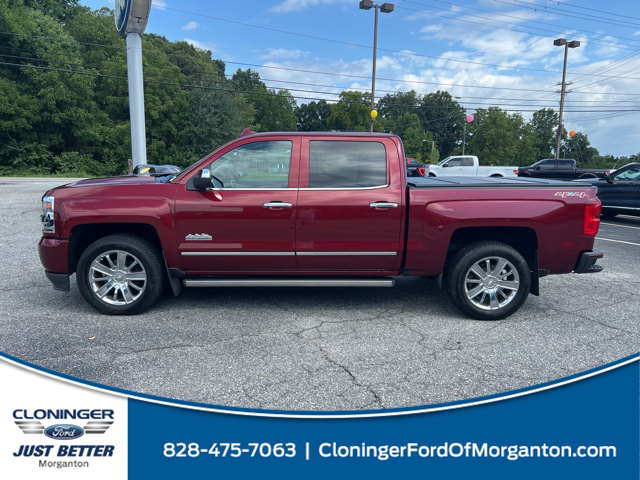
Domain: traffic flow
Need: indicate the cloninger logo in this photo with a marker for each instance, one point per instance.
(31, 425)
(571, 194)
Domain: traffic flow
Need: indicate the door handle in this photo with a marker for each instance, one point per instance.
(383, 205)
(277, 205)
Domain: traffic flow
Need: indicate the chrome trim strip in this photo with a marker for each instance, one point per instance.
(621, 208)
(286, 254)
(344, 188)
(362, 254)
(382, 282)
(239, 254)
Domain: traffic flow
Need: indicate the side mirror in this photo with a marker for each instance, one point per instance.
(538, 167)
(202, 180)
(608, 178)
(445, 165)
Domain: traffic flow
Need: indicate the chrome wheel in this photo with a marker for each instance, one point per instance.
(117, 277)
(491, 283)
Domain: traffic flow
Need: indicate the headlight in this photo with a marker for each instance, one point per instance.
(47, 217)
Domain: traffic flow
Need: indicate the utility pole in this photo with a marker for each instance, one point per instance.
(384, 8)
(567, 45)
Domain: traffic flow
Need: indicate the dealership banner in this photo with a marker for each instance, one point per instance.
(55, 426)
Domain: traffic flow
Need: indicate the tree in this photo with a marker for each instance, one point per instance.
(351, 113)
(498, 138)
(444, 117)
(313, 116)
(396, 104)
(544, 124)
(579, 148)
(274, 111)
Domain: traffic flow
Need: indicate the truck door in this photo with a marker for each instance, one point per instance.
(454, 167)
(544, 169)
(249, 224)
(624, 192)
(468, 167)
(350, 204)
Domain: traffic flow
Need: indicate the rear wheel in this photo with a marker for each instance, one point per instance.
(488, 280)
(121, 274)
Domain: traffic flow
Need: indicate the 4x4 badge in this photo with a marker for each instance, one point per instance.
(198, 236)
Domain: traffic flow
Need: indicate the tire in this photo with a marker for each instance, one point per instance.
(496, 175)
(121, 274)
(460, 280)
(588, 175)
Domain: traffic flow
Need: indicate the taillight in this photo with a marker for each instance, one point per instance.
(516, 171)
(422, 171)
(592, 218)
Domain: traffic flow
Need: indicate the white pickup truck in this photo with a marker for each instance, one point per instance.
(468, 166)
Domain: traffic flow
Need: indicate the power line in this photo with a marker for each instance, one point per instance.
(253, 93)
(567, 4)
(553, 9)
(352, 44)
(596, 42)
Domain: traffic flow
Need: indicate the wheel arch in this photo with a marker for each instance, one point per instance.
(85, 234)
(523, 239)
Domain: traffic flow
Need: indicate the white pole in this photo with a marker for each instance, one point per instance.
(136, 99)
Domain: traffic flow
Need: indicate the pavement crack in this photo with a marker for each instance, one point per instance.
(377, 400)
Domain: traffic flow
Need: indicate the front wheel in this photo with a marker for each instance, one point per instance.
(121, 274)
(488, 280)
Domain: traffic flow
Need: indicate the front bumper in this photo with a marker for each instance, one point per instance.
(54, 254)
(587, 262)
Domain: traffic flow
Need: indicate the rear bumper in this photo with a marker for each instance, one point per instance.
(60, 281)
(587, 262)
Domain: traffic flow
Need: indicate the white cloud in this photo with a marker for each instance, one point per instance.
(283, 54)
(191, 26)
(159, 4)
(202, 45)
(300, 5)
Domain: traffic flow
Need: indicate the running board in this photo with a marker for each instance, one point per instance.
(289, 282)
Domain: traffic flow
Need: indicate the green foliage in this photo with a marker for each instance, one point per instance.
(313, 116)
(54, 122)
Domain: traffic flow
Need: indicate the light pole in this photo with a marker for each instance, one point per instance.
(559, 42)
(384, 8)
(131, 18)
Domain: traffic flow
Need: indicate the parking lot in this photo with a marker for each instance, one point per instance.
(315, 349)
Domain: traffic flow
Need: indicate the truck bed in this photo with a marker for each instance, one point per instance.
(511, 182)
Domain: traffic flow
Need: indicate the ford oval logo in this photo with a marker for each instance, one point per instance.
(63, 431)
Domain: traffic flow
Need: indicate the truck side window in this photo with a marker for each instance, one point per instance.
(565, 164)
(455, 162)
(345, 164)
(548, 164)
(255, 165)
(632, 173)
(467, 162)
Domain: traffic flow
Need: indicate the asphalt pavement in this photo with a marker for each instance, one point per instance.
(315, 349)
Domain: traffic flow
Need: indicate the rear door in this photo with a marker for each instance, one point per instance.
(545, 169)
(350, 204)
(249, 224)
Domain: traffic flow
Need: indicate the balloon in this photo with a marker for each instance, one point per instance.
(572, 133)
(374, 113)
(470, 118)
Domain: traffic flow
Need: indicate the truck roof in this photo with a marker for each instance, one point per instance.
(439, 182)
(337, 134)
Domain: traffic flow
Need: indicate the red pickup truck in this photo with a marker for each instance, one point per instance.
(313, 210)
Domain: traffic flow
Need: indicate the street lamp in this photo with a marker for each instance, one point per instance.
(561, 42)
(384, 8)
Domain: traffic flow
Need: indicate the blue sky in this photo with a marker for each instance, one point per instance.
(469, 43)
